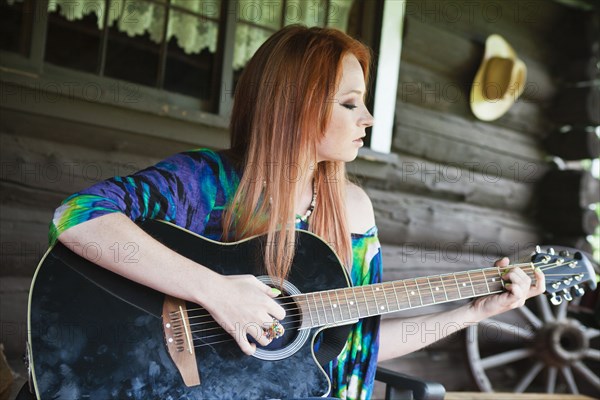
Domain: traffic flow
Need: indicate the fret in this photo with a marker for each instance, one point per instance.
(348, 303)
(418, 291)
(312, 321)
(356, 302)
(317, 309)
(407, 294)
(479, 286)
(374, 297)
(470, 280)
(486, 281)
(457, 287)
(443, 287)
(324, 309)
(387, 306)
(396, 295)
(339, 306)
(496, 279)
(432, 292)
(366, 302)
(332, 305)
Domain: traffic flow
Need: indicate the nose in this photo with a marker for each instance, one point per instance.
(367, 120)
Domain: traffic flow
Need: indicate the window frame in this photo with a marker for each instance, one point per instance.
(33, 73)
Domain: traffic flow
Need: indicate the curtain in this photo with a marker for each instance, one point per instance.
(256, 20)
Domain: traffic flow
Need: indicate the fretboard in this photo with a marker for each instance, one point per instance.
(348, 304)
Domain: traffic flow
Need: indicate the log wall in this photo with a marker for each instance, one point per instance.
(459, 194)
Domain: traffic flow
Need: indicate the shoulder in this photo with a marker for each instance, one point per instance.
(359, 209)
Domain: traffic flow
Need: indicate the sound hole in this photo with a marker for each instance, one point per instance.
(293, 339)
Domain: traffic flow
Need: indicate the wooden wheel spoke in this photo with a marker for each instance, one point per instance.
(505, 358)
(551, 379)
(587, 373)
(593, 354)
(514, 331)
(528, 377)
(592, 333)
(531, 317)
(568, 375)
(561, 311)
(545, 309)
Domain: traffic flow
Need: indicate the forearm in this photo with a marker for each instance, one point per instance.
(401, 336)
(116, 243)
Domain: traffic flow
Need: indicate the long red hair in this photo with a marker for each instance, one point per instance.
(282, 106)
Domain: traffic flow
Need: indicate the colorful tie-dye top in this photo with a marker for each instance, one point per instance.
(191, 190)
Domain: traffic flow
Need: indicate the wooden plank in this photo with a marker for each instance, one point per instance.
(457, 57)
(65, 131)
(424, 87)
(527, 25)
(62, 168)
(476, 145)
(407, 219)
(453, 182)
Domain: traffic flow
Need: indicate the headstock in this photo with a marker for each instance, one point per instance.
(566, 273)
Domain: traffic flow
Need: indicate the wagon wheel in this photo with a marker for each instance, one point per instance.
(539, 348)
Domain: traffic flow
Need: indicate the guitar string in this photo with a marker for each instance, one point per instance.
(382, 298)
(226, 334)
(481, 281)
(289, 322)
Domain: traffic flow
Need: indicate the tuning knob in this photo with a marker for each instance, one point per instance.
(555, 299)
(538, 249)
(564, 253)
(578, 291)
(551, 251)
(567, 295)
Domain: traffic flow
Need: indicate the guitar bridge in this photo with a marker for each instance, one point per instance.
(178, 338)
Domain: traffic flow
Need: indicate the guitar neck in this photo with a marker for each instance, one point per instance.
(343, 305)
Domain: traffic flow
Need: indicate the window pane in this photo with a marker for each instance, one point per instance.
(309, 13)
(191, 50)
(15, 25)
(339, 12)
(208, 8)
(261, 13)
(135, 37)
(74, 32)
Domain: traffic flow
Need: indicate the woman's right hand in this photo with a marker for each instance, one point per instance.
(243, 305)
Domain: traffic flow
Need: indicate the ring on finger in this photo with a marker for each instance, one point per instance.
(275, 330)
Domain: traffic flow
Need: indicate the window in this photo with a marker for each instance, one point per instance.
(190, 52)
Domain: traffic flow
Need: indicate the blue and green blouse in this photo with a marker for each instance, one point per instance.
(192, 189)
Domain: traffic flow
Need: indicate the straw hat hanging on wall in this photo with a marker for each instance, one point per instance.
(499, 81)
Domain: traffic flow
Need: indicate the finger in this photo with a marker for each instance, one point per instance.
(503, 262)
(239, 335)
(276, 310)
(258, 333)
(540, 281)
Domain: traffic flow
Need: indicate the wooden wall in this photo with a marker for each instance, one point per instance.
(460, 193)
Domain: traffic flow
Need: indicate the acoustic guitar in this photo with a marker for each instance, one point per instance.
(95, 335)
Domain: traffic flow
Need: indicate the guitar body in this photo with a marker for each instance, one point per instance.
(94, 334)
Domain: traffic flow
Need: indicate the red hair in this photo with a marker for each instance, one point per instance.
(283, 104)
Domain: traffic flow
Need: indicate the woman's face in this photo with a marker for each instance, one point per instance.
(349, 116)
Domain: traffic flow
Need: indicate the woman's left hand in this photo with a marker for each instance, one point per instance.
(518, 287)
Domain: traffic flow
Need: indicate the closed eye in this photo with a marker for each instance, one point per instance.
(349, 106)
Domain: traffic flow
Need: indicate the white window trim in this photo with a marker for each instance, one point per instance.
(388, 70)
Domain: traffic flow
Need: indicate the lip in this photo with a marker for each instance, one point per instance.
(359, 138)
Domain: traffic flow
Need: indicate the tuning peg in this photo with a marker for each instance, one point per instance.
(556, 285)
(564, 253)
(555, 299)
(538, 249)
(567, 295)
(578, 291)
(551, 251)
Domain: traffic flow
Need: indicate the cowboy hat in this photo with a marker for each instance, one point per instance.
(499, 81)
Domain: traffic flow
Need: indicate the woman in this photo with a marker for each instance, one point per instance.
(299, 115)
